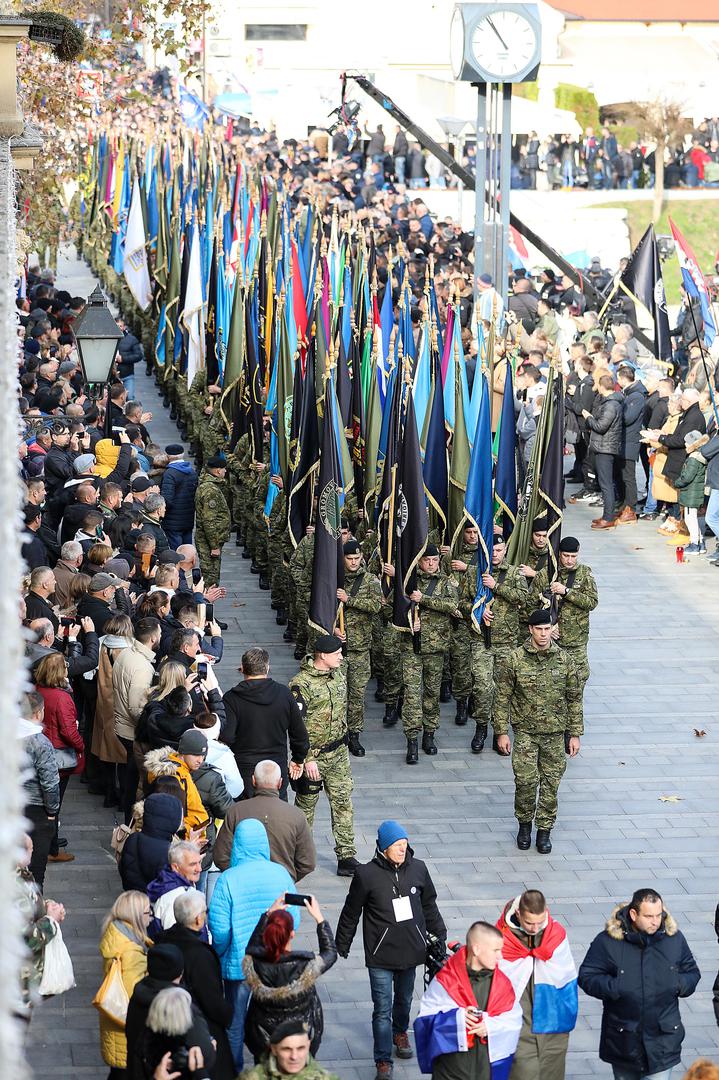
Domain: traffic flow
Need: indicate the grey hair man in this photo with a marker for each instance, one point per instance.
(184, 866)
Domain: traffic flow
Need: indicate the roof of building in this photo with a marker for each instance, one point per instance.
(639, 10)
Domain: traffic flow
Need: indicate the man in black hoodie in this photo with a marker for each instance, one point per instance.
(165, 965)
(261, 715)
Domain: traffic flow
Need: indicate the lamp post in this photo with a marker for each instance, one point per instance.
(97, 337)
(453, 126)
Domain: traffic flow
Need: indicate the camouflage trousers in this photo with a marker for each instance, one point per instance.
(302, 609)
(460, 660)
(538, 762)
(421, 678)
(337, 777)
(484, 665)
(211, 565)
(358, 674)
(392, 663)
(578, 654)
(279, 578)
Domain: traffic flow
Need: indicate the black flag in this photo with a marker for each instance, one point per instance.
(551, 478)
(642, 281)
(304, 451)
(411, 522)
(328, 566)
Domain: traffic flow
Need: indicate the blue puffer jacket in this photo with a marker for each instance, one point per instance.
(243, 893)
(179, 483)
(145, 853)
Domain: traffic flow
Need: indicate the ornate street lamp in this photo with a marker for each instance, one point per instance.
(97, 336)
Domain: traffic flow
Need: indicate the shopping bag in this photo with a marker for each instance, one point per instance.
(112, 999)
(57, 973)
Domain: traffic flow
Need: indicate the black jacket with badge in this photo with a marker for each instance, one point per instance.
(640, 978)
(389, 943)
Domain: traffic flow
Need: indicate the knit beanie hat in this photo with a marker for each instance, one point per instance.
(388, 833)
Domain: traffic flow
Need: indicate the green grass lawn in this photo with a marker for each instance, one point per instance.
(697, 219)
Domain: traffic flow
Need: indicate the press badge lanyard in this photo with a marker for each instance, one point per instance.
(402, 906)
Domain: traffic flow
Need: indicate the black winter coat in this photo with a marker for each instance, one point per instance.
(203, 978)
(656, 411)
(635, 396)
(178, 487)
(285, 990)
(58, 468)
(161, 723)
(261, 715)
(155, 1046)
(605, 424)
(145, 852)
(130, 352)
(583, 398)
(691, 420)
(640, 978)
(142, 997)
(388, 943)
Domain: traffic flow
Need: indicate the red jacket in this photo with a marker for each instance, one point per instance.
(60, 723)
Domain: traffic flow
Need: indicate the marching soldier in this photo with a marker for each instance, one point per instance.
(212, 519)
(538, 686)
(362, 600)
(422, 661)
(460, 648)
(501, 621)
(320, 689)
(573, 595)
(538, 550)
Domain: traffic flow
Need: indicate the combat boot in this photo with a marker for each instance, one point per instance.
(445, 691)
(480, 734)
(412, 752)
(281, 616)
(354, 745)
(379, 692)
(289, 634)
(247, 554)
(391, 715)
(543, 842)
(428, 744)
(347, 867)
(299, 653)
(264, 582)
(239, 541)
(254, 568)
(524, 836)
(460, 718)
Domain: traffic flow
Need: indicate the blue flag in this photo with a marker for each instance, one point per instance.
(478, 501)
(505, 485)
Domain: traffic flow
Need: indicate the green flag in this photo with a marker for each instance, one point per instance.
(459, 466)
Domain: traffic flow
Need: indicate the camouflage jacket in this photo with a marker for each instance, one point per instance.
(301, 563)
(436, 608)
(539, 691)
(537, 559)
(322, 697)
(269, 1070)
(509, 598)
(211, 510)
(466, 553)
(364, 600)
(38, 929)
(574, 608)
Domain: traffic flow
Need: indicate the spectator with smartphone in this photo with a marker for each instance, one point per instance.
(81, 657)
(397, 900)
(282, 982)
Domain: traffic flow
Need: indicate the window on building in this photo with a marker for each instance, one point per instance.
(275, 32)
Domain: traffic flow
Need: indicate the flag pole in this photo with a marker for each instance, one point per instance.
(704, 362)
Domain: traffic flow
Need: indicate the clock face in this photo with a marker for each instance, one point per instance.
(503, 44)
(456, 43)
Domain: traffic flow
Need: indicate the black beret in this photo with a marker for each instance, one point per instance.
(344, 523)
(540, 525)
(217, 462)
(498, 539)
(351, 548)
(430, 552)
(174, 449)
(570, 544)
(327, 643)
(286, 1029)
(542, 617)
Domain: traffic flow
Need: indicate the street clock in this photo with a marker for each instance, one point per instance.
(495, 43)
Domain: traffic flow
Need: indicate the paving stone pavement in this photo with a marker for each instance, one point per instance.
(654, 680)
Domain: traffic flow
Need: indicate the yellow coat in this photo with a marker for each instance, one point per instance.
(162, 763)
(119, 940)
(662, 490)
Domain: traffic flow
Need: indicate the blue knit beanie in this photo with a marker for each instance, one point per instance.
(388, 833)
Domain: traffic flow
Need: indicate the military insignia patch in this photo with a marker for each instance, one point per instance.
(329, 510)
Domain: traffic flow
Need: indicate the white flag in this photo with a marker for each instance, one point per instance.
(193, 313)
(135, 262)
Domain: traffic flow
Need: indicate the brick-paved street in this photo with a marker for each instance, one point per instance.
(654, 680)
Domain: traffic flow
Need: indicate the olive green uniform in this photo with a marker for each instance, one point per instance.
(542, 691)
(460, 646)
(212, 525)
(572, 611)
(322, 698)
(422, 670)
(363, 603)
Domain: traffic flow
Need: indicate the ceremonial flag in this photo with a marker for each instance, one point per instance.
(505, 485)
(135, 269)
(192, 314)
(211, 323)
(551, 477)
(642, 281)
(328, 566)
(193, 110)
(304, 452)
(478, 500)
(550, 964)
(434, 468)
(694, 282)
(441, 1026)
(411, 524)
(254, 384)
(460, 460)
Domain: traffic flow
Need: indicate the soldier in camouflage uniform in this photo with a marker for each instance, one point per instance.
(501, 621)
(435, 600)
(455, 566)
(320, 689)
(212, 519)
(270, 1068)
(197, 399)
(572, 595)
(301, 573)
(538, 685)
(279, 550)
(361, 598)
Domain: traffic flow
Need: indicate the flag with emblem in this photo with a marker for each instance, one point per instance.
(642, 281)
(328, 567)
(410, 522)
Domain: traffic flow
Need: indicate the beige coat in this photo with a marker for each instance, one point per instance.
(662, 490)
(63, 576)
(105, 743)
(132, 678)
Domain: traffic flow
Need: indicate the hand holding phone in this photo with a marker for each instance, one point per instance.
(297, 899)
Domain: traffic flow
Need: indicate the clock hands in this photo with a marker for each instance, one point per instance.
(504, 44)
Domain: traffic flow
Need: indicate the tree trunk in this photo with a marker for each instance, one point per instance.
(658, 180)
